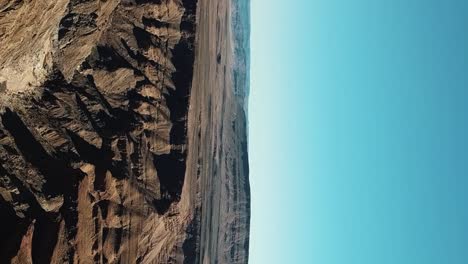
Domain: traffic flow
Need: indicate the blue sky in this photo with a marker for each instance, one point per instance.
(359, 132)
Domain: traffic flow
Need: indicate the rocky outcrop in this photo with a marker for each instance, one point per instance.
(121, 137)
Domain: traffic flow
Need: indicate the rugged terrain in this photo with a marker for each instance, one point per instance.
(122, 132)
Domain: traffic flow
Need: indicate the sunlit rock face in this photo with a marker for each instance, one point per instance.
(122, 139)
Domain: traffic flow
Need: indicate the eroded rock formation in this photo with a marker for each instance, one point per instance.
(122, 139)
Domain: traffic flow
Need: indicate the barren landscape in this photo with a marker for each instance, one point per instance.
(123, 131)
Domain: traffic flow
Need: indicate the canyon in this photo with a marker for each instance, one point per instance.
(123, 131)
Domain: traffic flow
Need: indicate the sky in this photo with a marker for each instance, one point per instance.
(358, 132)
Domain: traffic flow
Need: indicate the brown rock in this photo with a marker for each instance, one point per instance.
(122, 132)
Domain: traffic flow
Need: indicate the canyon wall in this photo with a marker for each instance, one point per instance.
(122, 132)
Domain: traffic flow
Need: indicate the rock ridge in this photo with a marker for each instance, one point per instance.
(106, 150)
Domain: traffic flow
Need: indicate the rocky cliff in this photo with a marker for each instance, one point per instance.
(122, 136)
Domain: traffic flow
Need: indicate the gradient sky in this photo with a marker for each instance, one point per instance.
(358, 120)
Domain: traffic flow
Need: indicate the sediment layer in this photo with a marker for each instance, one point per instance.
(122, 139)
